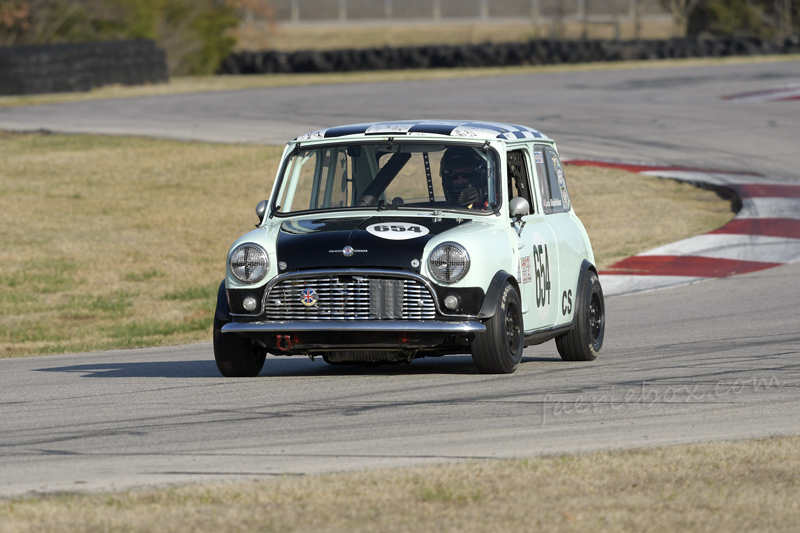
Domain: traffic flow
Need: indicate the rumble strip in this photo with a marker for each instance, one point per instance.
(764, 234)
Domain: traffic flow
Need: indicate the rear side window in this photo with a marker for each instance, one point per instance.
(555, 197)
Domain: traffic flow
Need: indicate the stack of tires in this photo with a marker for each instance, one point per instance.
(534, 52)
(80, 67)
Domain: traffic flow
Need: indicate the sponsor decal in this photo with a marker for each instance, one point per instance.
(388, 128)
(537, 158)
(525, 270)
(559, 170)
(555, 202)
(308, 297)
(397, 231)
(561, 184)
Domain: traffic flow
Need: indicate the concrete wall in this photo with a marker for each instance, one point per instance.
(361, 10)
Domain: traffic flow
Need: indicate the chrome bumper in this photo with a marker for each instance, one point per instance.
(410, 326)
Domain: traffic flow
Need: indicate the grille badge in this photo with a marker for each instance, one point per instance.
(347, 251)
(308, 297)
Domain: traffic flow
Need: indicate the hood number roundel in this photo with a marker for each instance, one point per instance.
(397, 231)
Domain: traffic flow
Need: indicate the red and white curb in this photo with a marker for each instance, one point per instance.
(764, 234)
(779, 94)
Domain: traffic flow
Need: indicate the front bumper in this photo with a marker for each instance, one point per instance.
(377, 326)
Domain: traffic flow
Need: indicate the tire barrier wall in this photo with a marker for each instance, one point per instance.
(534, 52)
(80, 67)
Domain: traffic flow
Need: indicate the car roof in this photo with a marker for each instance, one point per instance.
(472, 129)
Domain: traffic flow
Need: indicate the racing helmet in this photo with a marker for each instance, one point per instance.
(464, 176)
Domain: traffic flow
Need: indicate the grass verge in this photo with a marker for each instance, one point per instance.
(117, 242)
(196, 84)
(715, 487)
(114, 242)
(327, 36)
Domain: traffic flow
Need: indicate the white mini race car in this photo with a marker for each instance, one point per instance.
(386, 242)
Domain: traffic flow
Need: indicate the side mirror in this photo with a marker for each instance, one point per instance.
(519, 207)
(261, 209)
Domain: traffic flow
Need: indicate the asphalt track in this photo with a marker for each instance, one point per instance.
(706, 361)
(666, 115)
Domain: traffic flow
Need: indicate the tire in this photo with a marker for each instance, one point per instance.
(236, 356)
(498, 350)
(584, 341)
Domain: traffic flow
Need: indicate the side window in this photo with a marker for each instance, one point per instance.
(555, 197)
(518, 183)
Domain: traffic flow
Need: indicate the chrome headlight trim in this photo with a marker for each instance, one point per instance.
(449, 262)
(249, 263)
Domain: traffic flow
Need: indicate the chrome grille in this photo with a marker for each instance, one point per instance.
(347, 298)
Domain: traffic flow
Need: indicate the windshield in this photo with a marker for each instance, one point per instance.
(381, 176)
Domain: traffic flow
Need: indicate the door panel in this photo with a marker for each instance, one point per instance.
(566, 228)
(537, 271)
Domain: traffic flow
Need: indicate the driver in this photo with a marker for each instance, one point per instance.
(464, 178)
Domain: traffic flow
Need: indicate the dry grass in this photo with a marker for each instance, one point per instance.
(717, 487)
(196, 84)
(111, 242)
(420, 33)
(115, 242)
(626, 213)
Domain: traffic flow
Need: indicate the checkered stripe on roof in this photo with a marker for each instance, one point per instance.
(461, 128)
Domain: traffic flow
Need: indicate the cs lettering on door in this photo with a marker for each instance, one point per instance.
(566, 302)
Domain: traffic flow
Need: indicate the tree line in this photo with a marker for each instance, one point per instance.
(196, 34)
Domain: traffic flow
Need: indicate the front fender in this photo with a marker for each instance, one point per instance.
(493, 293)
(223, 311)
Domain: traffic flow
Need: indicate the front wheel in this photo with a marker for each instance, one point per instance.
(585, 339)
(236, 356)
(498, 350)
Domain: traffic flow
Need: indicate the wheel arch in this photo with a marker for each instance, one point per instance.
(586, 266)
(223, 311)
(493, 293)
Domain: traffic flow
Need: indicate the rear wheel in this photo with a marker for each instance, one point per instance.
(236, 356)
(585, 339)
(498, 350)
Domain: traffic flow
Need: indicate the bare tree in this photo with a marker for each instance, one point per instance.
(14, 19)
(635, 14)
(778, 16)
(681, 10)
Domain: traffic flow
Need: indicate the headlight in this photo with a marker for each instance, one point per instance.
(449, 262)
(249, 263)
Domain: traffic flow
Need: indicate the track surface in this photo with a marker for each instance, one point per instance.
(713, 360)
(668, 115)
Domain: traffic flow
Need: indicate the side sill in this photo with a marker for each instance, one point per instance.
(544, 335)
